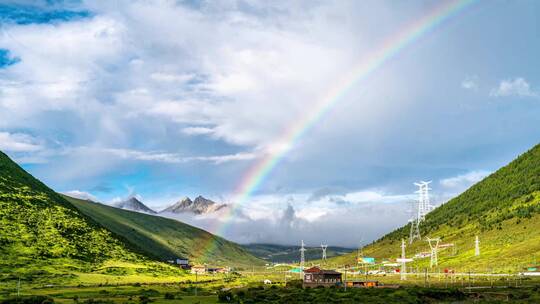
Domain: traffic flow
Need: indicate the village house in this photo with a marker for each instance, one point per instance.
(315, 277)
(181, 262)
(198, 269)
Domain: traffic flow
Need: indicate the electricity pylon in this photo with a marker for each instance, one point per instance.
(434, 245)
(423, 207)
(323, 247)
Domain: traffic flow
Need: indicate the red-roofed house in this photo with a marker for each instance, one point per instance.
(314, 277)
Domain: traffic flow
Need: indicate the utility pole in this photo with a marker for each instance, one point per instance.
(434, 245)
(477, 246)
(403, 270)
(302, 257)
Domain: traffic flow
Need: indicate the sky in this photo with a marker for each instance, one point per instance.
(167, 99)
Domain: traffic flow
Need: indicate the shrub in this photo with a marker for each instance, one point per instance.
(29, 300)
(169, 296)
(144, 299)
(225, 296)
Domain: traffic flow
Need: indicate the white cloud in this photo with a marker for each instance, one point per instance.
(463, 181)
(287, 219)
(197, 131)
(81, 194)
(18, 142)
(172, 158)
(470, 82)
(514, 87)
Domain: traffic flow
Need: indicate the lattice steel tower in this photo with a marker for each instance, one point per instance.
(434, 245)
(323, 247)
(423, 207)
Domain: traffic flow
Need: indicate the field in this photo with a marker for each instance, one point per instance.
(248, 287)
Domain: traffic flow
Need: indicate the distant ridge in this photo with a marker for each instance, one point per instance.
(200, 205)
(134, 204)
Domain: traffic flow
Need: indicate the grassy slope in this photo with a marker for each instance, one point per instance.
(165, 238)
(503, 209)
(289, 254)
(44, 238)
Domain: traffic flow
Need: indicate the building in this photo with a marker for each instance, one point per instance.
(362, 284)
(218, 270)
(315, 277)
(198, 269)
(182, 261)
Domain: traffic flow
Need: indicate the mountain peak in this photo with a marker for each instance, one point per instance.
(200, 205)
(134, 204)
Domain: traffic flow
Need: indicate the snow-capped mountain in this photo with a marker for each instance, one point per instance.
(200, 205)
(134, 204)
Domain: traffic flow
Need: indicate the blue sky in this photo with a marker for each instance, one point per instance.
(171, 99)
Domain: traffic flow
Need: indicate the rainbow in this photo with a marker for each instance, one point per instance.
(367, 66)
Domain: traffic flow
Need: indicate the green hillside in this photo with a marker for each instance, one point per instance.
(165, 238)
(503, 210)
(290, 254)
(43, 237)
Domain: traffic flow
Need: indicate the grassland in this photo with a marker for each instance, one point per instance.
(248, 288)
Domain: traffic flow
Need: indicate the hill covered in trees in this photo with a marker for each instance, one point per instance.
(503, 210)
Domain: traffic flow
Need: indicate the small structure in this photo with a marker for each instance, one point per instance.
(315, 277)
(362, 284)
(267, 281)
(181, 262)
(218, 270)
(198, 269)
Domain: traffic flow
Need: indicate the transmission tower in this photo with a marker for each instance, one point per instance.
(423, 207)
(477, 246)
(302, 256)
(323, 247)
(403, 271)
(415, 230)
(434, 245)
